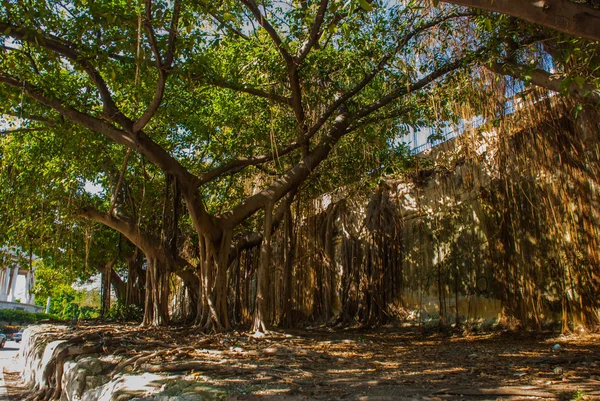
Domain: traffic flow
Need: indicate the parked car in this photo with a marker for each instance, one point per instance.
(2, 339)
(18, 336)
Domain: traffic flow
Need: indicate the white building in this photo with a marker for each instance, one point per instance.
(16, 282)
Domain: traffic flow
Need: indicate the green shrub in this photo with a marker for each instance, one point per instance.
(87, 312)
(23, 317)
(121, 312)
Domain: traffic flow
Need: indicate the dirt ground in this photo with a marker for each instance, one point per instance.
(409, 364)
(399, 364)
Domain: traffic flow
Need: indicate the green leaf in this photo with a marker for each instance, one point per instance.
(564, 85)
(579, 81)
(365, 5)
(488, 24)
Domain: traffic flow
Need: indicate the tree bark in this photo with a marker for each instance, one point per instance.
(106, 280)
(156, 305)
(134, 291)
(561, 15)
(290, 244)
(262, 279)
(212, 302)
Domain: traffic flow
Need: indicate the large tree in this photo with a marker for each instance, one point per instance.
(236, 104)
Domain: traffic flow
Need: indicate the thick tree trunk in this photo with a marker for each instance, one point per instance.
(212, 302)
(290, 244)
(156, 305)
(562, 15)
(262, 277)
(106, 276)
(136, 281)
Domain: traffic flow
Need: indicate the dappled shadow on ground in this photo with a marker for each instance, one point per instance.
(385, 364)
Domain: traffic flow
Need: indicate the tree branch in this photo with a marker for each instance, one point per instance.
(380, 66)
(251, 5)
(544, 79)
(163, 68)
(140, 239)
(220, 20)
(292, 178)
(125, 226)
(70, 113)
(314, 35)
(290, 62)
(562, 15)
(420, 84)
(239, 164)
(221, 83)
(139, 142)
(69, 51)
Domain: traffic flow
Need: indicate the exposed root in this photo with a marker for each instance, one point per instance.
(53, 373)
(123, 364)
(142, 348)
(181, 367)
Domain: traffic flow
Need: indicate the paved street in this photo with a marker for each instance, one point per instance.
(9, 371)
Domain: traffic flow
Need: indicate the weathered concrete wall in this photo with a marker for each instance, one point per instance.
(445, 232)
(92, 377)
(37, 345)
(502, 224)
(506, 224)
